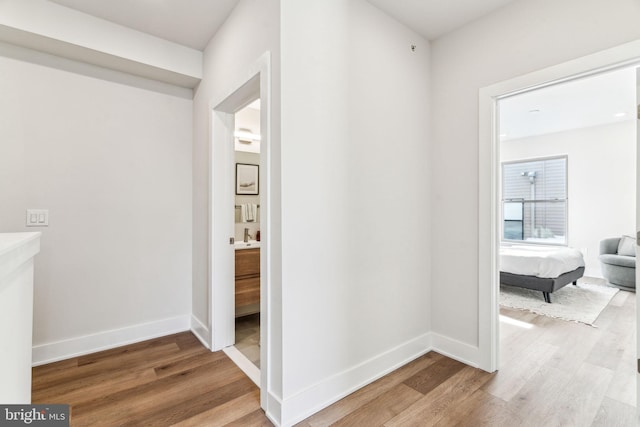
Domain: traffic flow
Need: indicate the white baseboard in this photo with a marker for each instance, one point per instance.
(273, 410)
(305, 403)
(201, 331)
(60, 350)
(465, 353)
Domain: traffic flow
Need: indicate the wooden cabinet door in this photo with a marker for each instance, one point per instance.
(247, 291)
(247, 280)
(248, 262)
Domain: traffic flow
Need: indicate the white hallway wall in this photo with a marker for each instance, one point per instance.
(520, 38)
(112, 164)
(355, 150)
(601, 179)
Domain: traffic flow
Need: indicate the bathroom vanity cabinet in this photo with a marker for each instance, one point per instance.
(247, 281)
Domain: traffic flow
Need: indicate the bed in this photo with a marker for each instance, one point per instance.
(540, 268)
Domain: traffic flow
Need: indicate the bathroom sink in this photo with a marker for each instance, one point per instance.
(251, 244)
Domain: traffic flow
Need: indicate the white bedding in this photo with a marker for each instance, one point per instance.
(539, 261)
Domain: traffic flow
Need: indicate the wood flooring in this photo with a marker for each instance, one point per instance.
(172, 380)
(553, 373)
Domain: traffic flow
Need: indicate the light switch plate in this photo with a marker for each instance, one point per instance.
(37, 217)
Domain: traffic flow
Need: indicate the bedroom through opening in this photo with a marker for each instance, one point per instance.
(567, 205)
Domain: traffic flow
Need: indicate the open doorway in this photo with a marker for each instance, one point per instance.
(251, 179)
(566, 182)
(567, 178)
(247, 234)
(626, 55)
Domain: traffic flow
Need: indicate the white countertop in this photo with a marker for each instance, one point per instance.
(10, 241)
(251, 244)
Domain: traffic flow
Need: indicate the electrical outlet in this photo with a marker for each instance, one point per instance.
(37, 217)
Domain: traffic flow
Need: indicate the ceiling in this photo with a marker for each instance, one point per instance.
(434, 18)
(192, 23)
(593, 101)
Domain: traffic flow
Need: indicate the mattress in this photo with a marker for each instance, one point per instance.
(539, 261)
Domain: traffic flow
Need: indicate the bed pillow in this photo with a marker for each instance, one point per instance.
(627, 246)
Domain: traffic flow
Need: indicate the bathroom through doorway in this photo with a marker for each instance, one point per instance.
(247, 237)
(249, 178)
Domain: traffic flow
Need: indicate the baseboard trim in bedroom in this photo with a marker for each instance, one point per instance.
(92, 343)
(305, 403)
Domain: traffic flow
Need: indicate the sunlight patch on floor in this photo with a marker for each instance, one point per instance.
(514, 322)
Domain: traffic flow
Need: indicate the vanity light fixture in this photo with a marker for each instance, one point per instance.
(246, 136)
(620, 114)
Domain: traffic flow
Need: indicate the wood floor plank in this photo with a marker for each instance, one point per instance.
(80, 391)
(84, 382)
(579, 405)
(433, 376)
(623, 384)
(128, 352)
(43, 371)
(620, 299)
(94, 372)
(196, 404)
(576, 342)
(481, 409)
(188, 341)
(177, 365)
(513, 376)
(615, 414)
(541, 392)
(429, 409)
(515, 342)
(226, 413)
(381, 409)
(133, 403)
(104, 366)
(359, 398)
(254, 419)
(168, 380)
(608, 351)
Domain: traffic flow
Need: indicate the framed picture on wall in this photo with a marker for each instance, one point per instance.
(247, 179)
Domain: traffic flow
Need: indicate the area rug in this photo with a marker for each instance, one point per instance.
(582, 303)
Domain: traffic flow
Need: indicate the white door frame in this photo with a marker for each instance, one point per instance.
(488, 177)
(256, 83)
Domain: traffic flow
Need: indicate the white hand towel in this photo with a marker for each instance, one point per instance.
(243, 213)
(248, 212)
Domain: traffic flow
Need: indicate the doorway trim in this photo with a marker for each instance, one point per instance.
(255, 83)
(622, 56)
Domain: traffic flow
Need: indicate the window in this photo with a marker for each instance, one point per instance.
(534, 201)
